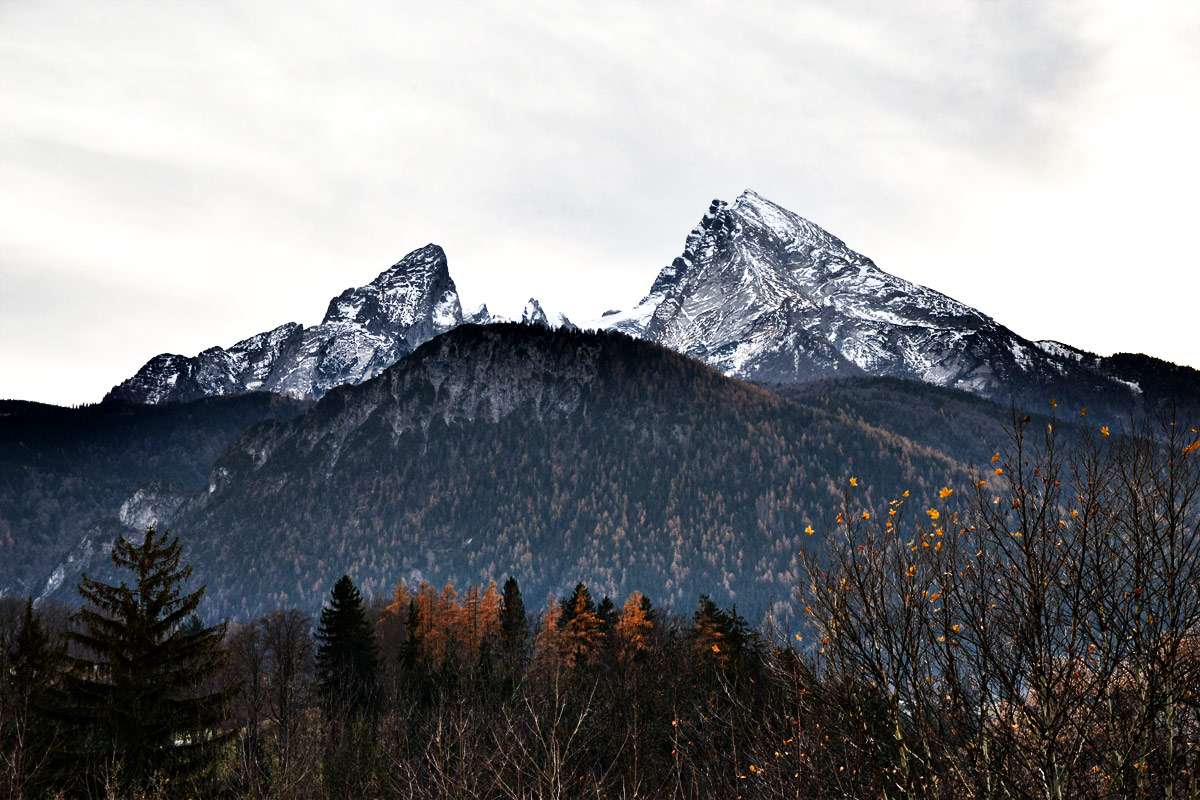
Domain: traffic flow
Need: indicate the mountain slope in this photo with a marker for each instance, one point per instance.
(64, 469)
(762, 293)
(553, 455)
(364, 330)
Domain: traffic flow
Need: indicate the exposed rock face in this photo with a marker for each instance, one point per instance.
(364, 331)
(764, 294)
(535, 315)
(154, 505)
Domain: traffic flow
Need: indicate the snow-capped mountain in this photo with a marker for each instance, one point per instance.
(762, 293)
(534, 314)
(365, 330)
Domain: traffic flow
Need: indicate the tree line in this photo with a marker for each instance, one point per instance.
(1033, 634)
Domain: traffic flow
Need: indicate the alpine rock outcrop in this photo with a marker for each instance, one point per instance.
(763, 294)
(365, 330)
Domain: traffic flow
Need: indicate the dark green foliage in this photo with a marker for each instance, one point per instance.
(347, 657)
(579, 601)
(514, 630)
(136, 701)
(348, 683)
(29, 672)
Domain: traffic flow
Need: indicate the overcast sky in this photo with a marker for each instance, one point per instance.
(178, 175)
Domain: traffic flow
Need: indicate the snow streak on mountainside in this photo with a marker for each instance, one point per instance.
(764, 294)
(364, 331)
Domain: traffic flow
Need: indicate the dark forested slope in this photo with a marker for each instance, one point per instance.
(556, 456)
(61, 469)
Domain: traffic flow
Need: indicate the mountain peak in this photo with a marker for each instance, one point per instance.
(397, 297)
(534, 314)
(365, 329)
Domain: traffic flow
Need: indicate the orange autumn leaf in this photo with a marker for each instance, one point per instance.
(945, 492)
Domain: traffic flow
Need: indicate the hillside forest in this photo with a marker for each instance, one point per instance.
(1035, 633)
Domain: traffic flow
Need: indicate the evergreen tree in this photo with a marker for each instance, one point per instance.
(347, 657)
(137, 697)
(514, 629)
(348, 680)
(581, 629)
(29, 671)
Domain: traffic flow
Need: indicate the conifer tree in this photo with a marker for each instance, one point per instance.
(137, 697)
(582, 630)
(514, 629)
(348, 680)
(29, 671)
(347, 657)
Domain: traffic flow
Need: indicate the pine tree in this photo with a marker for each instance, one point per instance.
(347, 657)
(348, 680)
(514, 629)
(137, 697)
(634, 628)
(582, 630)
(29, 672)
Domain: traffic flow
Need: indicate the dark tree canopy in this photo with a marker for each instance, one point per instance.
(347, 656)
(513, 627)
(29, 665)
(136, 698)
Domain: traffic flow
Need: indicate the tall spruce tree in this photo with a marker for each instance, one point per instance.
(348, 680)
(347, 656)
(29, 667)
(514, 629)
(138, 698)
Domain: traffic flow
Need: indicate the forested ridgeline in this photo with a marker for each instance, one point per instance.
(63, 469)
(1034, 633)
(547, 455)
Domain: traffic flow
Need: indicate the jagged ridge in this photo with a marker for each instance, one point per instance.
(365, 330)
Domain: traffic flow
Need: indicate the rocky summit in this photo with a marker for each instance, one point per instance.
(759, 293)
(365, 330)
(763, 294)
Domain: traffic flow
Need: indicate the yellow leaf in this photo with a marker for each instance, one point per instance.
(999, 471)
(996, 457)
(866, 515)
(944, 493)
(808, 529)
(905, 493)
(981, 483)
(716, 649)
(854, 481)
(1104, 430)
(933, 513)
